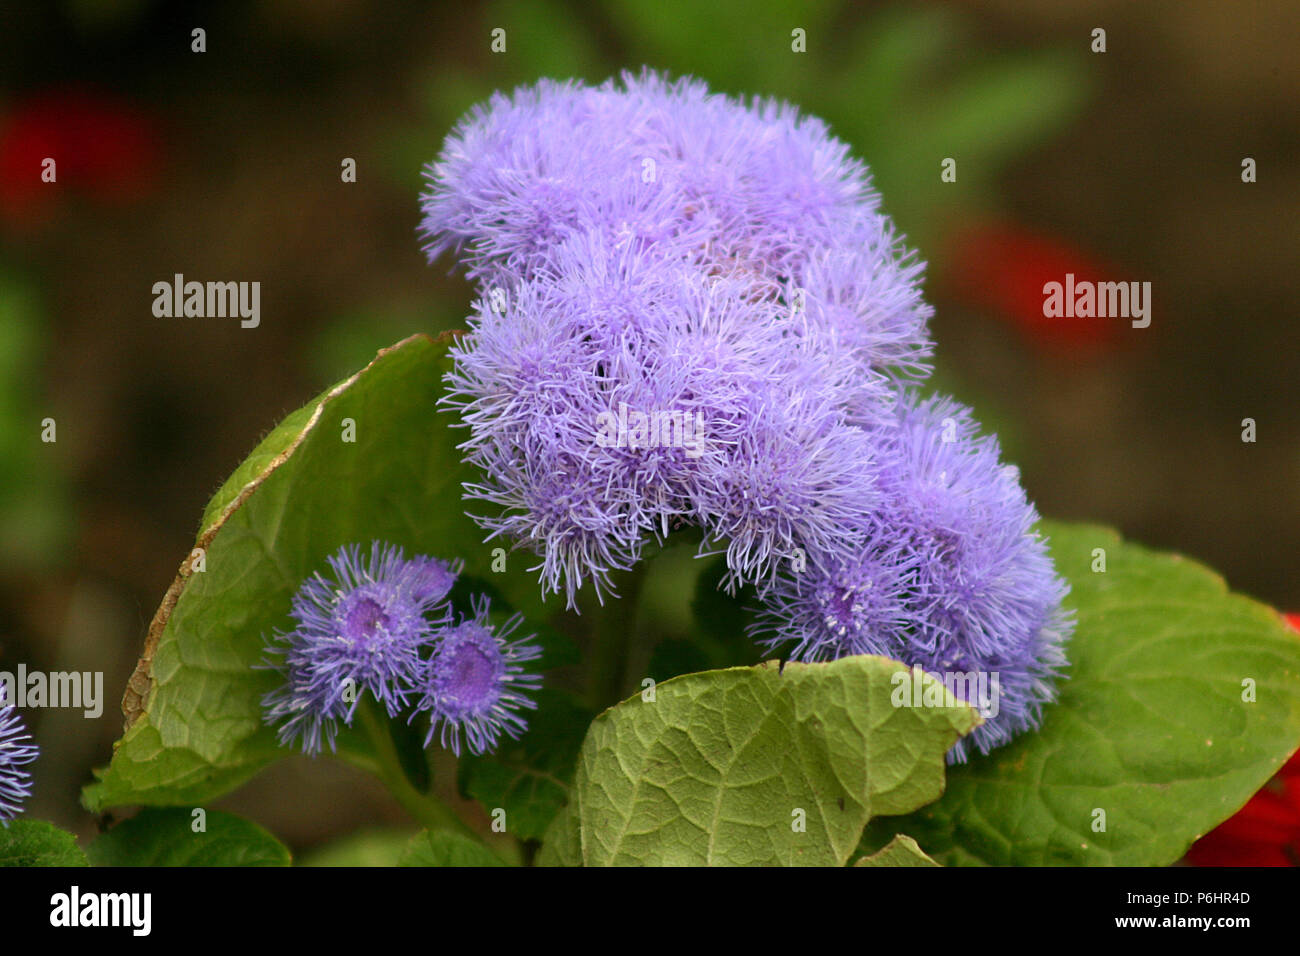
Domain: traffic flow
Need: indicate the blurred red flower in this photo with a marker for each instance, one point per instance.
(102, 146)
(1003, 267)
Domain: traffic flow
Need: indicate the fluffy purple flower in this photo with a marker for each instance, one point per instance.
(650, 255)
(531, 382)
(795, 479)
(475, 684)
(853, 606)
(16, 751)
(865, 310)
(360, 629)
(697, 377)
(647, 245)
(663, 163)
(684, 176)
(953, 577)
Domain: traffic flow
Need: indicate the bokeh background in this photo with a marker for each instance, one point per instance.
(1123, 165)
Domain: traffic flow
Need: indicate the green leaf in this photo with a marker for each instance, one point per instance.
(529, 778)
(442, 848)
(727, 42)
(37, 843)
(900, 851)
(167, 837)
(194, 704)
(1151, 728)
(368, 848)
(754, 766)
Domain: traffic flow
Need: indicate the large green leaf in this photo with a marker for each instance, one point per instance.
(37, 843)
(752, 766)
(193, 707)
(179, 837)
(442, 848)
(1153, 727)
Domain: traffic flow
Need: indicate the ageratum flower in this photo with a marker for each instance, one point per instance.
(865, 311)
(16, 751)
(475, 684)
(685, 176)
(649, 245)
(793, 483)
(854, 606)
(953, 577)
(545, 366)
(359, 629)
(646, 248)
(666, 162)
(774, 463)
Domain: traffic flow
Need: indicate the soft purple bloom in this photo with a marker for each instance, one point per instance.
(642, 158)
(865, 309)
(359, 629)
(549, 364)
(647, 244)
(16, 751)
(776, 460)
(475, 684)
(649, 252)
(430, 579)
(953, 577)
(795, 479)
(855, 606)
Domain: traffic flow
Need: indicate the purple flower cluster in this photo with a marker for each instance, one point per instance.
(16, 752)
(952, 577)
(650, 244)
(381, 624)
(691, 311)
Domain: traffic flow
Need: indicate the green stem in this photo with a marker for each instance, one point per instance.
(427, 809)
(614, 624)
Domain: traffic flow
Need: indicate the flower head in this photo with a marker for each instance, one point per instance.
(853, 606)
(791, 484)
(475, 684)
(662, 163)
(865, 309)
(16, 751)
(952, 576)
(359, 629)
(651, 250)
(648, 245)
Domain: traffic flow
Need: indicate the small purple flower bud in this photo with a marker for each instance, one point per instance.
(474, 683)
(360, 629)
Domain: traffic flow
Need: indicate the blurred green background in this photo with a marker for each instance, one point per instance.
(225, 165)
